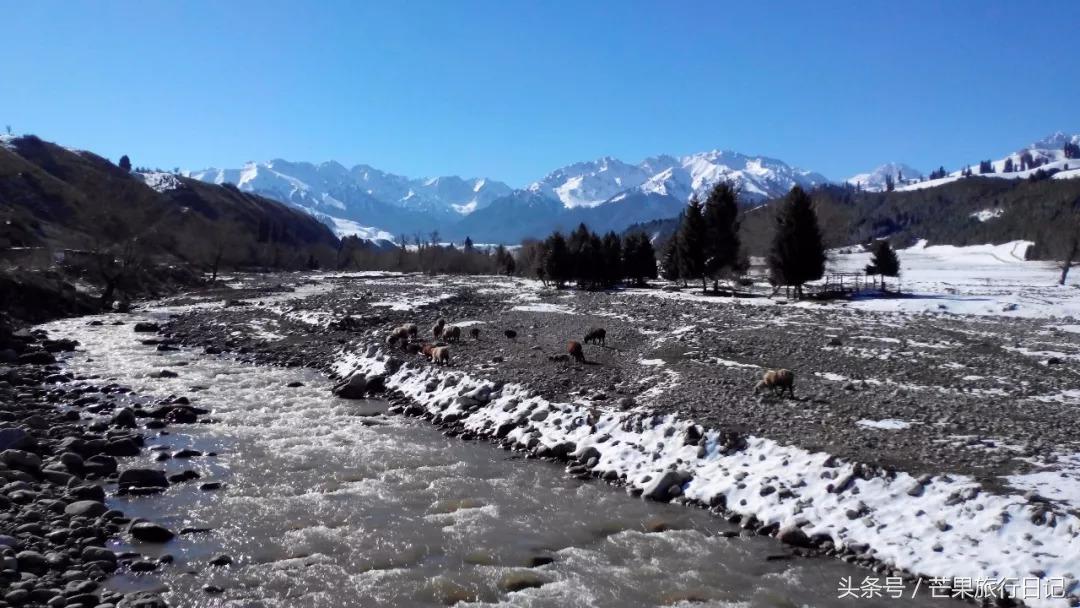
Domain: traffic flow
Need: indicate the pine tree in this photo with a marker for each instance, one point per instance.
(670, 265)
(125, 163)
(468, 246)
(890, 184)
(612, 267)
(884, 261)
(556, 260)
(639, 259)
(692, 243)
(721, 244)
(797, 254)
(1008, 165)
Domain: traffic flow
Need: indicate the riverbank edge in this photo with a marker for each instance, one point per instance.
(893, 523)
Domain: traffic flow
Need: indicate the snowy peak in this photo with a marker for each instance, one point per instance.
(877, 180)
(331, 184)
(590, 184)
(1055, 141)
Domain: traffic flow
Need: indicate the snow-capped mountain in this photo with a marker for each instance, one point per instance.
(362, 200)
(605, 180)
(607, 193)
(875, 181)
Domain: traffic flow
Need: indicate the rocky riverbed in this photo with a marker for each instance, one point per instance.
(64, 440)
(954, 407)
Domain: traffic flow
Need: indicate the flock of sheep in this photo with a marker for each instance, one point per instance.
(780, 381)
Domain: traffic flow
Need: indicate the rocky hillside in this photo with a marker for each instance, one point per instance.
(54, 197)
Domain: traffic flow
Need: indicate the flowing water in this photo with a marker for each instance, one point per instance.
(330, 502)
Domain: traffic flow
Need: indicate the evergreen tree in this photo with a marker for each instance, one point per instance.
(612, 268)
(556, 260)
(721, 244)
(884, 261)
(125, 163)
(692, 235)
(797, 254)
(468, 247)
(1008, 165)
(1072, 150)
(890, 184)
(639, 259)
(670, 265)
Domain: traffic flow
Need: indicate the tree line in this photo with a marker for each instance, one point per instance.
(589, 260)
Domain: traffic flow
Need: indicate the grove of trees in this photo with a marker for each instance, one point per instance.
(706, 245)
(591, 261)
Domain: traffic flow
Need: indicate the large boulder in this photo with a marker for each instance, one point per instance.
(146, 327)
(14, 438)
(86, 508)
(36, 357)
(149, 532)
(142, 478)
(667, 486)
(24, 461)
(354, 387)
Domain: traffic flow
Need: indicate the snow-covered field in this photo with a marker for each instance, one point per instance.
(978, 279)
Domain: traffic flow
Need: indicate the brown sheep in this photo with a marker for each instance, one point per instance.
(574, 348)
(474, 332)
(437, 329)
(596, 335)
(452, 333)
(778, 380)
(440, 355)
(426, 349)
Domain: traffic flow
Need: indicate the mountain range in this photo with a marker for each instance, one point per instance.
(607, 193)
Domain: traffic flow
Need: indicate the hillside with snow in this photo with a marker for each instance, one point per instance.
(1046, 156)
(877, 180)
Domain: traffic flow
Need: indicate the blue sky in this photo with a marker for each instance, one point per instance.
(513, 89)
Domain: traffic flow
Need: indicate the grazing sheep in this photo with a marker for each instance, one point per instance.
(510, 334)
(452, 333)
(437, 329)
(398, 334)
(778, 380)
(412, 329)
(426, 349)
(574, 349)
(474, 332)
(440, 355)
(412, 348)
(596, 335)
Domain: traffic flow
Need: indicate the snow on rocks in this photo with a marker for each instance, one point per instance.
(888, 424)
(930, 526)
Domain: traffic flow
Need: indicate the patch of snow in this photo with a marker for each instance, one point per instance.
(886, 424)
(986, 215)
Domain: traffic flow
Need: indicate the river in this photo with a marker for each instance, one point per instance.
(329, 502)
